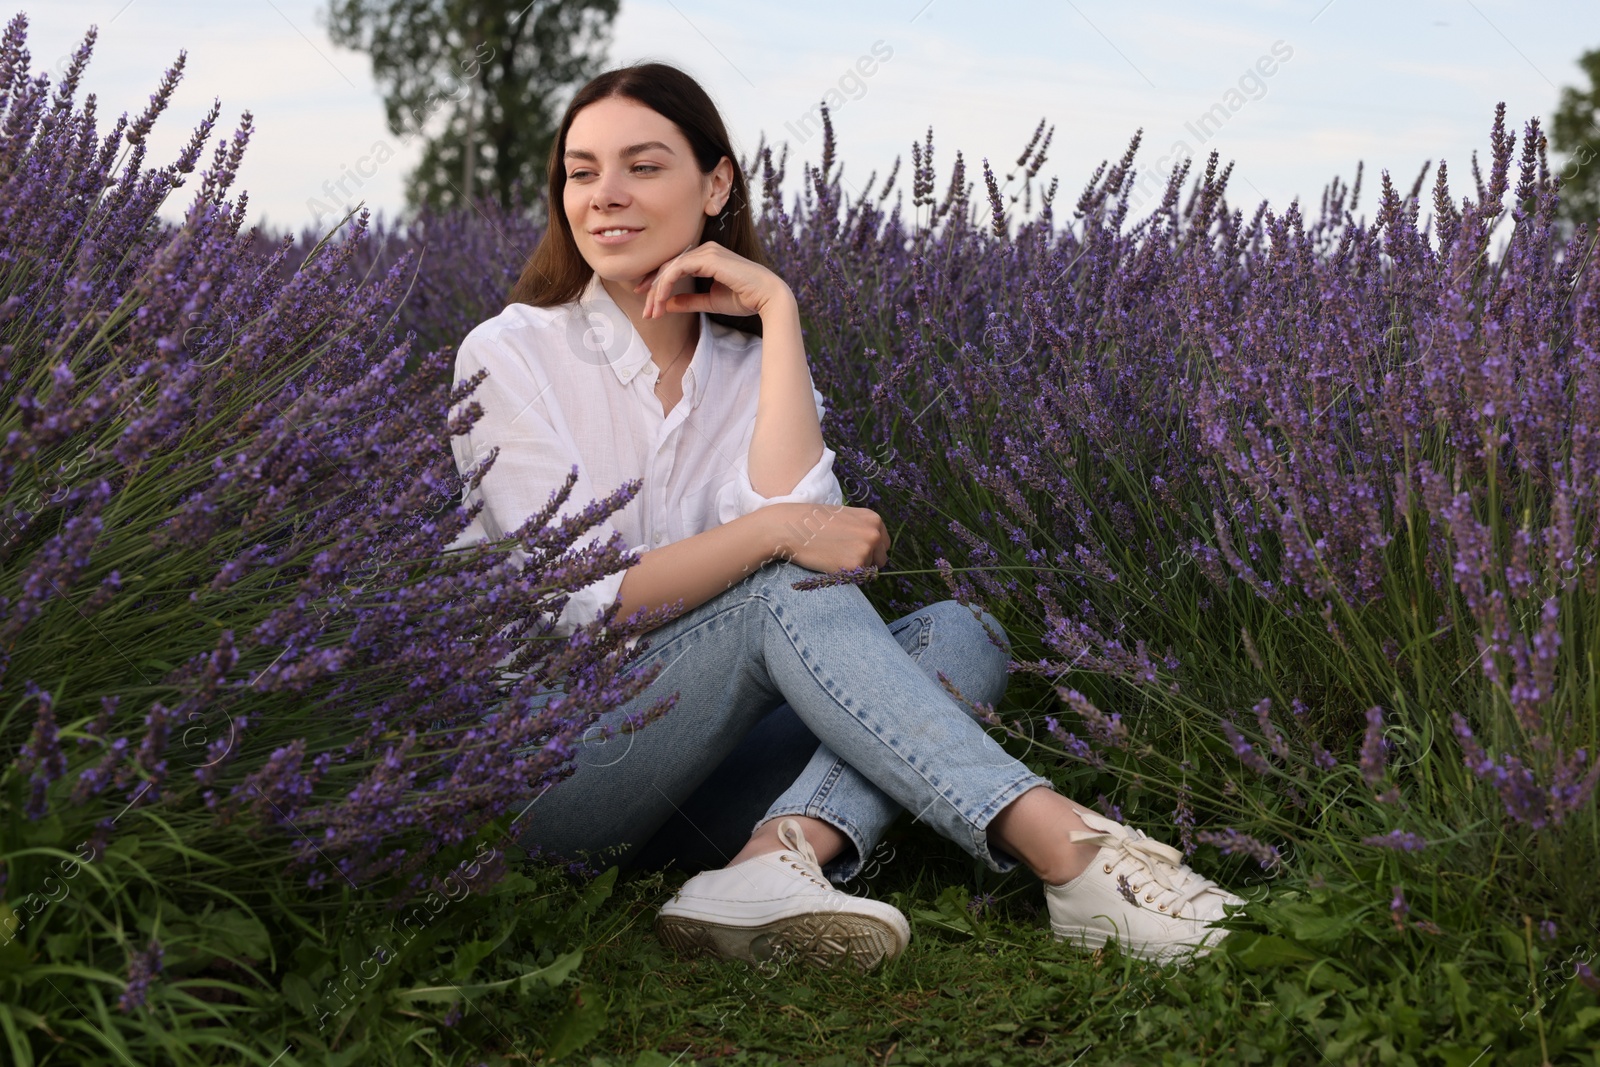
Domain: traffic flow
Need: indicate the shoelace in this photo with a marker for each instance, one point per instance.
(1164, 864)
(792, 837)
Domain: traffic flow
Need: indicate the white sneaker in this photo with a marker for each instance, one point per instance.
(781, 904)
(1139, 892)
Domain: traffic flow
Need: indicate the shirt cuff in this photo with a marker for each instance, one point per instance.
(818, 486)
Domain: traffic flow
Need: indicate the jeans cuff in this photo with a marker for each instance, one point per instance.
(844, 867)
(980, 825)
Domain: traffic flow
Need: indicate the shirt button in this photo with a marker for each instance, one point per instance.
(658, 538)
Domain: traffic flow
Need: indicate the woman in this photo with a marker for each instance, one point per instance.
(647, 339)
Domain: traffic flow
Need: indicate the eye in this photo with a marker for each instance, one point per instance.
(577, 174)
(651, 167)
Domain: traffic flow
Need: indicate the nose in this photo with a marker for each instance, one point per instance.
(608, 191)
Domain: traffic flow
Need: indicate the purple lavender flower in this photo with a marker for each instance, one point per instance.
(848, 576)
(1399, 909)
(1399, 840)
(1183, 819)
(1373, 748)
(142, 968)
(1521, 795)
(1244, 749)
(1106, 729)
(1232, 842)
(41, 757)
(1076, 746)
(1275, 740)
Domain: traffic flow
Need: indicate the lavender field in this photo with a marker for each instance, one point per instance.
(1289, 510)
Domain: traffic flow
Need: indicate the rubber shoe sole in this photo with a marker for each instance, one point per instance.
(820, 940)
(1092, 940)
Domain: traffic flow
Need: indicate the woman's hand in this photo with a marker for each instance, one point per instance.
(828, 537)
(738, 286)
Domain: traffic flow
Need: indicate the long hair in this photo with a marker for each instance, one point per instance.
(557, 272)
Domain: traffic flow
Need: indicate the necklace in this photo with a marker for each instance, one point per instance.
(693, 336)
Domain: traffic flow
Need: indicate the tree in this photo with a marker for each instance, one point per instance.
(482, 82)
(1576, 132)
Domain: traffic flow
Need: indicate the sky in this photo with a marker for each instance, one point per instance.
(1296, 92)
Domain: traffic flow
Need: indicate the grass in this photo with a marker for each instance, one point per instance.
(994, 988)
(1320, 970)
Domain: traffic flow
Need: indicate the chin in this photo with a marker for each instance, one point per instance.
(620, 273)
(625, 268)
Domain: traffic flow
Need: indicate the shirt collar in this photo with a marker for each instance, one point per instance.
(629, 360)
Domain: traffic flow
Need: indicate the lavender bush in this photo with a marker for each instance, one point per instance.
(1295, 513)
(244, 680)
(1290, 516)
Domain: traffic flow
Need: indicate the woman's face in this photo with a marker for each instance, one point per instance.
(634, 196)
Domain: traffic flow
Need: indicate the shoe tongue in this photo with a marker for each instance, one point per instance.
(1103, 824)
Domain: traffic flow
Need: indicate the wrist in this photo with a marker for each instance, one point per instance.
(780, 307)
(771, 534)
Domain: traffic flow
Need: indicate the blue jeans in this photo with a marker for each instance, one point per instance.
(792, 702)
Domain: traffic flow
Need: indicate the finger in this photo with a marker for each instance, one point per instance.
(668, 275)
(689, 302)
(647, 285)
(647, 281)
(700, 261)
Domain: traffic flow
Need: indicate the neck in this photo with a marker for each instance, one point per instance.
(665, 337)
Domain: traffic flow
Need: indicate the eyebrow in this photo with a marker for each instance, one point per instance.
(631, 150)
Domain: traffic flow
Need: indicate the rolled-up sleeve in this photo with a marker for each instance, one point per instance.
(533, 462)
(819, 485)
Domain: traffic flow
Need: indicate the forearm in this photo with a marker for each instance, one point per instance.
(698, 568)
(787, 439)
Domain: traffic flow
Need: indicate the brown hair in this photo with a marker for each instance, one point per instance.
(557, 272)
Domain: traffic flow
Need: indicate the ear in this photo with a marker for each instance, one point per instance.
(721, 186)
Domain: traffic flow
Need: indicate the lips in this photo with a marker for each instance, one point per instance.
(612, 235)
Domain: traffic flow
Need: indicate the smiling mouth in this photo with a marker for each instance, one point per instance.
(618, 231)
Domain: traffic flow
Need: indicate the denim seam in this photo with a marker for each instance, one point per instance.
(819, 796)
(843, 871)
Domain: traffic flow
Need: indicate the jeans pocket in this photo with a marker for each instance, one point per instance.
(915, 643)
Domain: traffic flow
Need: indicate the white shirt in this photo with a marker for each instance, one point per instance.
(574, 385)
